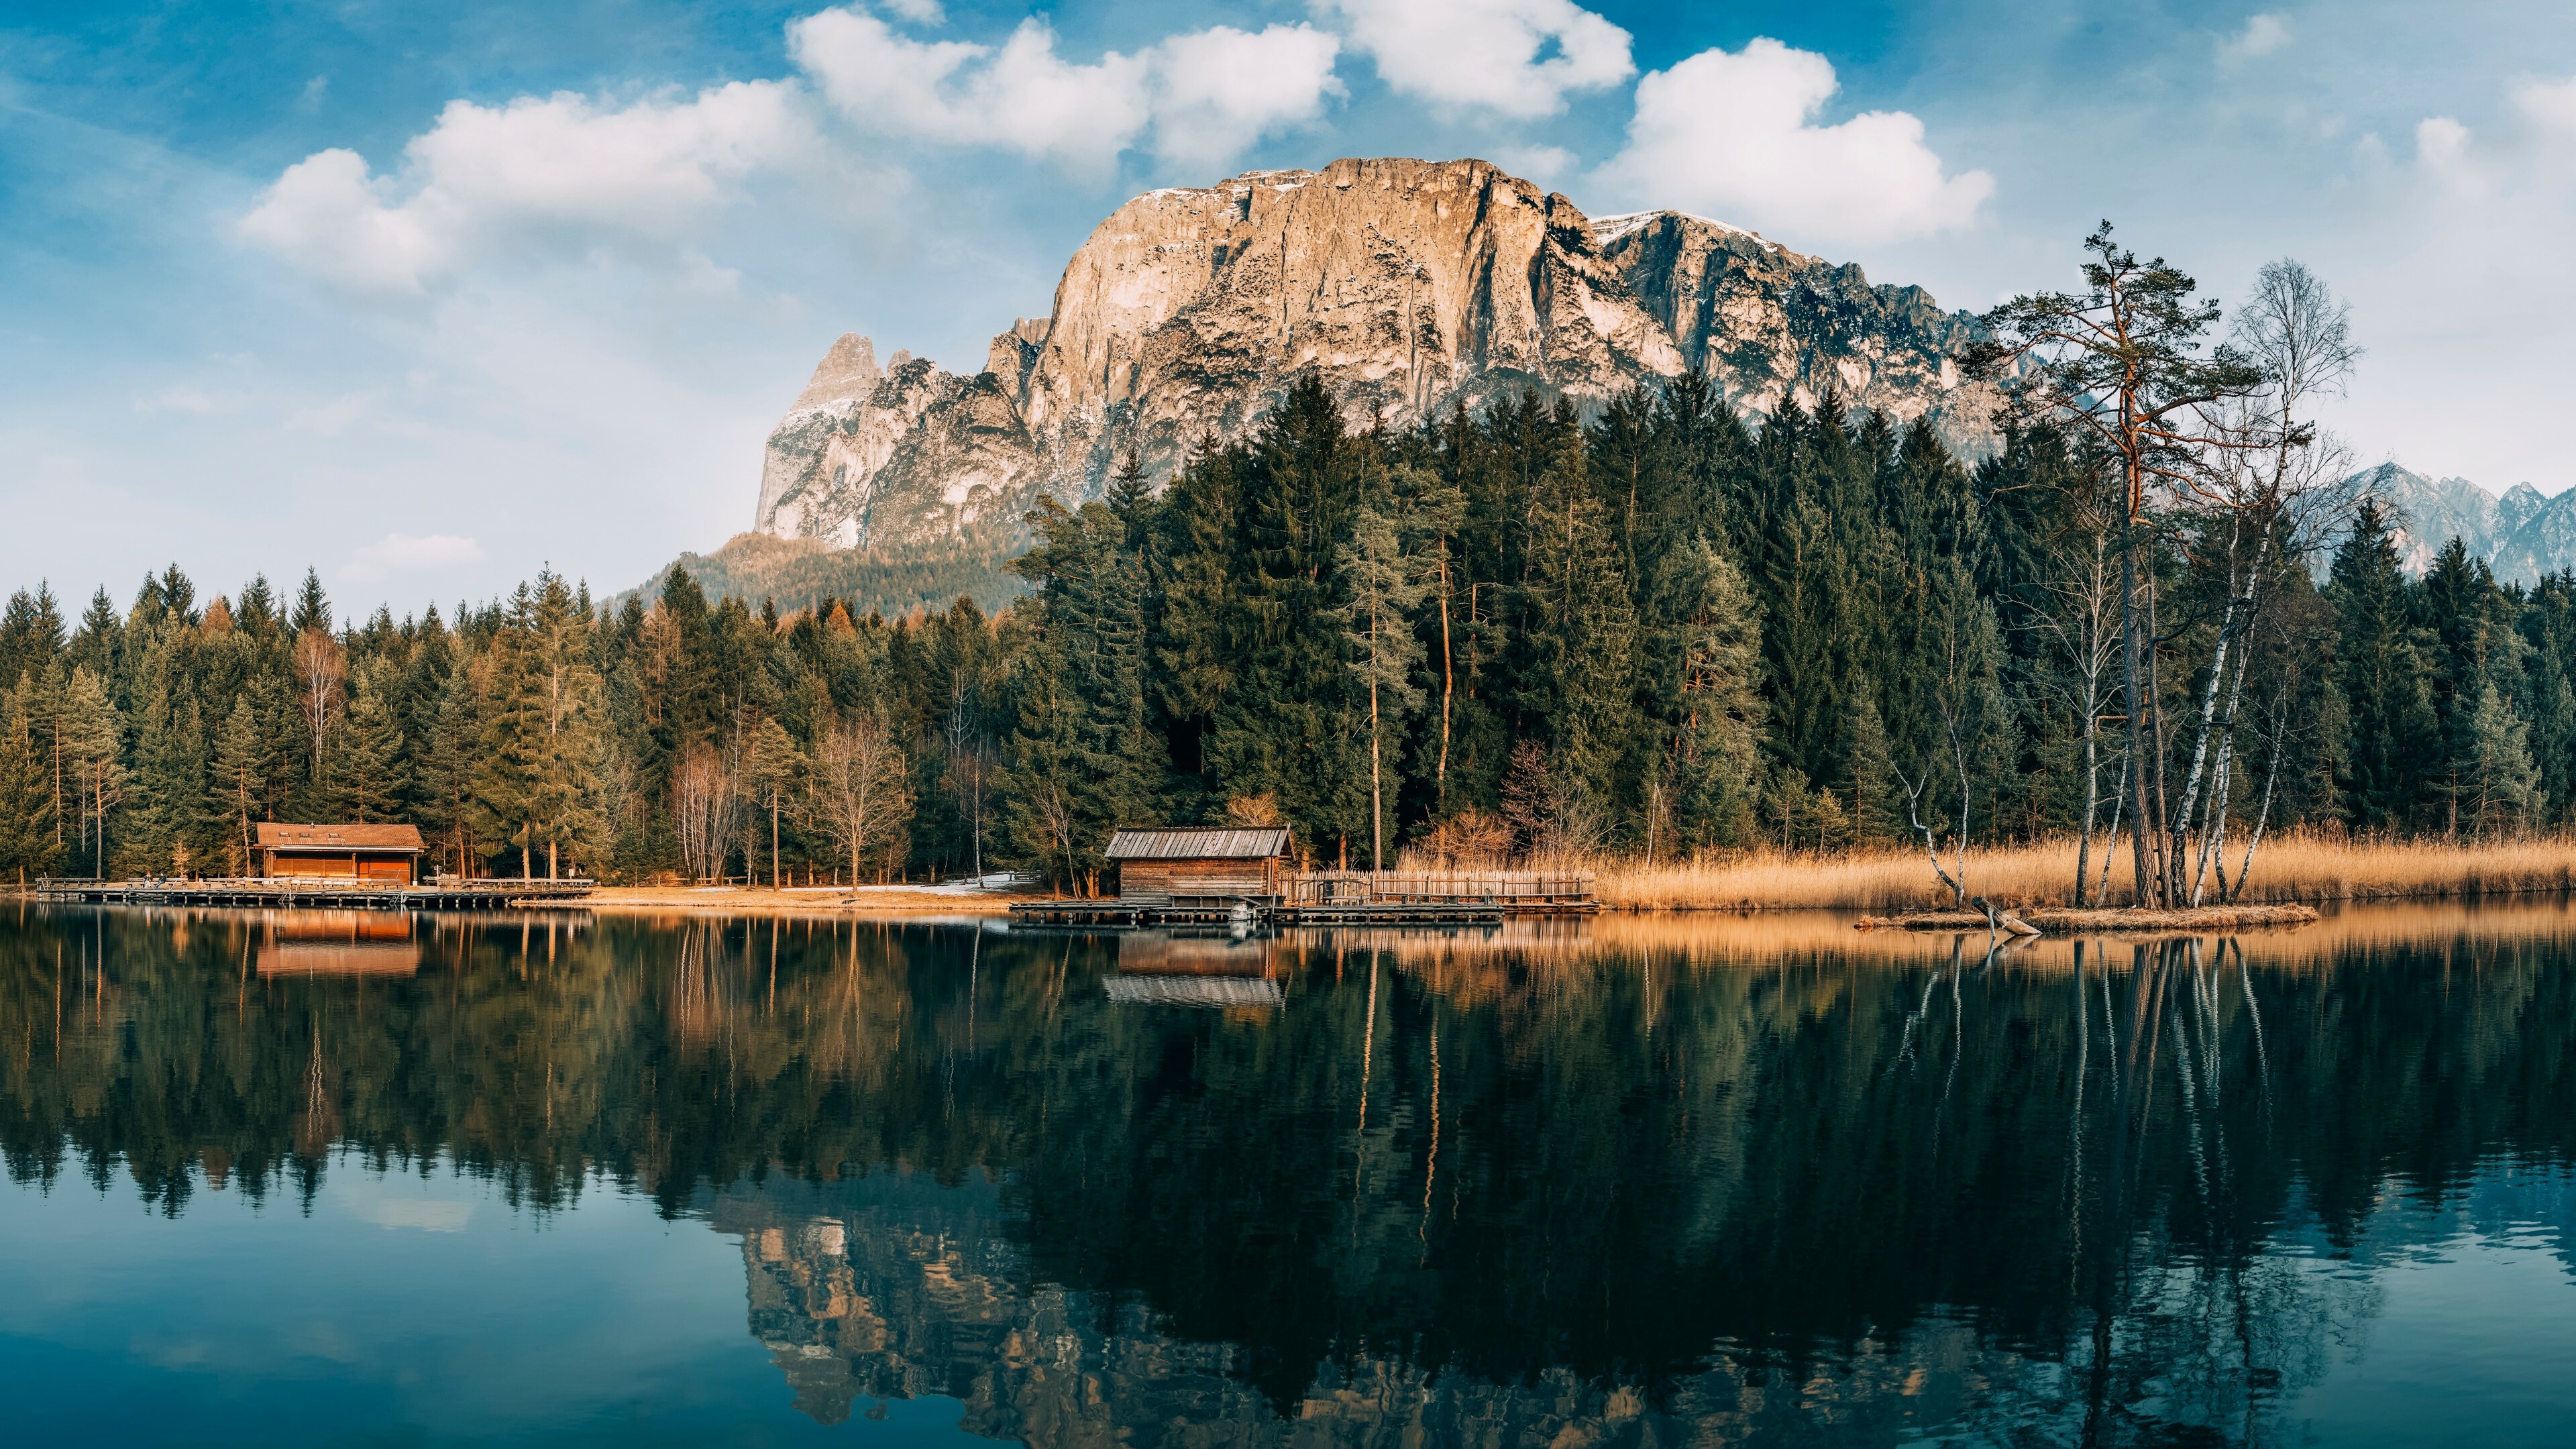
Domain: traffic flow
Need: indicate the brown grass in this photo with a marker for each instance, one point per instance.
(1808, 940)
(736, 900)
(2302, 868)
(2118, 919)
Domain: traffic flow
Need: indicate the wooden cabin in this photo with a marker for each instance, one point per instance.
(1198, 866)
(373, 854)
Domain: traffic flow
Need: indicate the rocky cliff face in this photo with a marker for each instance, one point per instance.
(1408, 287)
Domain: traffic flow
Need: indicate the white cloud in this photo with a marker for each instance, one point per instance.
(1542, 164)
(2530, 158)
(2262, 35)
(2547, 109)
(1732, 135)
(1022, 98)
(2441, 145)
(1519, 57)
(1205, 95)
(563, 171)
(400, 553)
(1217, 91)
(919, 12)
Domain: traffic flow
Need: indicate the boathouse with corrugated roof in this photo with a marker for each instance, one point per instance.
(1199, 866)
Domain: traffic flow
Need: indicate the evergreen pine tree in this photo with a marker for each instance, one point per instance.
(1382, 589)
(2502, 785)
(93, 730)
(238, 784)
(29, 843)
(375, 769)
(2393, 742)
(1712, 761)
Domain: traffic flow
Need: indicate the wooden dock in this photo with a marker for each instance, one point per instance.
(1115, 913)
(1340, 898)
(445, 893)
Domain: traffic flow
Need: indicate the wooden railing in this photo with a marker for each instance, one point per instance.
(1506, 888)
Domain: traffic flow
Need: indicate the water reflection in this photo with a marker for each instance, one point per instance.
(1631, 1181)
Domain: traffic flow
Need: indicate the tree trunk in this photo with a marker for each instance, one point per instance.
(2092, 802)
(2262, 817)
(2131, 680)
(1377, 798)
(1440, 778)
(2169, 873)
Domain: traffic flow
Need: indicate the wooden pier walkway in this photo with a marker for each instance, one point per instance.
(442, 894)
(1342, 898)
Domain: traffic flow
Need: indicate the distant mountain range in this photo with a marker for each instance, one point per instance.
(2522, 535)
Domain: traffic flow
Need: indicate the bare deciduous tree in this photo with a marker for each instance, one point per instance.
(705, 804)
(861, 792)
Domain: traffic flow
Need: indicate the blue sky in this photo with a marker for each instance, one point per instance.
(429, 296)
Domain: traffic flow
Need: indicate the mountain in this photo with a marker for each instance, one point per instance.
(2522, 535)
(1409, 287)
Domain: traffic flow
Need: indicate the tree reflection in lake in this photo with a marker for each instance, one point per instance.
(1635, 1181)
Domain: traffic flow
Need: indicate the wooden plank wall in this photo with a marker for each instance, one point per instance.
(1155, 882)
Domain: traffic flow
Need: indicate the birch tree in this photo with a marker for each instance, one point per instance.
(2121, 362)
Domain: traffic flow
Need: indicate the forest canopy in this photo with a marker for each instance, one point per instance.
(1648, 627)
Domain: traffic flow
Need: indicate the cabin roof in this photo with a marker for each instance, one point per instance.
(1199, 842)
(335, 838)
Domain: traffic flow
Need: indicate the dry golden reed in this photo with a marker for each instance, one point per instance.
(2294, 867)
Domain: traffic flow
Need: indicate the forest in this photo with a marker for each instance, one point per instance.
(1643, 628)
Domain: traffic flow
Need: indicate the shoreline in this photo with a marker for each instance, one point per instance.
(2293, 869)
(842, 901)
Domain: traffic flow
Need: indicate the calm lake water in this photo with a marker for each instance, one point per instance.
(297, 1178)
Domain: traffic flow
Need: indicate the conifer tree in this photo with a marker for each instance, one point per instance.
(1382, 589)
(29, 843)
(1712, 755)
(510, 769)
(375, 771)
(31, 634)
(776, 766)
(450, 762)
(2502, 785)
(238, 783)
(1577, 620)
(2392, 737)
(93, 731)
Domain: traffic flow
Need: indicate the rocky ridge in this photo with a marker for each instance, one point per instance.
(1408, 287)
(2522, 535)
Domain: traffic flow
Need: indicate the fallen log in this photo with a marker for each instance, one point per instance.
(2066, 920)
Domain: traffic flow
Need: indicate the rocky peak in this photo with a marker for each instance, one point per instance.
(2518, 504)
(848, 371)
(1407, 287)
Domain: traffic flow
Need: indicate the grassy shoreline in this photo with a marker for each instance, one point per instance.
(902, 901)
(2292, 869)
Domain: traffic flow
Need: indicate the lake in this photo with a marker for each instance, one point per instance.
(287, 1178)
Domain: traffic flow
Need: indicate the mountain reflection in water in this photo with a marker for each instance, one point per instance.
(1632, 1181)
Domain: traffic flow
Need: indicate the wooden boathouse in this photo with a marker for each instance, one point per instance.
(1206, 867)
(380, 854)
(331, 867)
